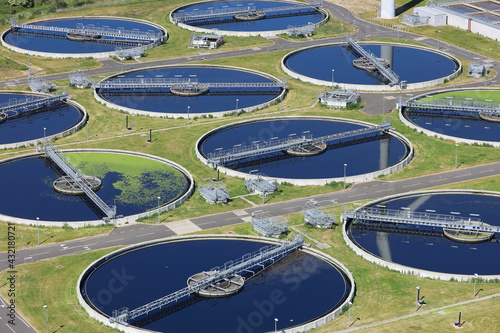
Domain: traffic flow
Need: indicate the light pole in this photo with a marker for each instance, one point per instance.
(438, 38)
(345, 167)
(475, 279)
(275, 325)
(418, 296)
(456, 156)
(47, 315)
(159, 210)
(188, 113)
(237, 100)
(342, 32)
(333, 72)
(44, 140)
(350, 303)
(38, 230)
(486, 74)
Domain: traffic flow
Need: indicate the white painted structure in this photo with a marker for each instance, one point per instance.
(388, 9)
(436, 17)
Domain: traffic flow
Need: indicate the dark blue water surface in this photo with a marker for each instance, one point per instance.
(412, 65)
(466, 128)
(439, 254)
(28, 193)
(298, 289)
(360, 158)
(271, 24)
(208, 103)
(63, 45)
(30, 127)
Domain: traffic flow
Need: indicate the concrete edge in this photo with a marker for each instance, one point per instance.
(305, 182)
(191, 114)
(410, 270)
(99, 316)
(126, 219)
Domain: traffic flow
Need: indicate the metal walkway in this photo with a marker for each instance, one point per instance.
(90, 30)
(30, 103)
(69, 169)
(453, 222)
(152, 83)
(292, 142)
(223, 12)
(247, 264)
(386, 72)
(479, 108)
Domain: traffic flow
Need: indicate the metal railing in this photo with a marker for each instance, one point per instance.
(93, 31)
(243, 265)
(30, 103)
(69, 169)
(486, 108)
(267, 147)
(387, 72)
(223, 12)
(453, 222)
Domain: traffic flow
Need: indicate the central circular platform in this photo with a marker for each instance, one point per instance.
(365, 157)
(214, 101)
(131, 181)
(27, 128)
(430, 252)
(156, 269)
(419, 66)
(252, 22)
(59, 44)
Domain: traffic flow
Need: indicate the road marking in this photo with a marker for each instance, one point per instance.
(10, 327)
(435, 180)
(91, 244)
(485, 171)
(114, 240)
(410, 185)
(382, 191)
(356, 195)
(468, 174)
(39, 254)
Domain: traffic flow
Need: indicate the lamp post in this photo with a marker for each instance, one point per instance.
(44, 139)
(438, 39)
(159, 210)
(188, 113)
(275, 325)
(418, 296)
(38, 230)
(47, 316)
(342, 32)
(237, 100)
(486, 74)
(350, 303)
(333, 72)
(475, 279)
(345, 167)
(456, 156)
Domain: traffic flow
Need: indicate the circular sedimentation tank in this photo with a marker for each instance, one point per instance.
(156, 269)
(457, 125)
(335, 64)
(27, 127)
(190, 96)
(83, 36)
(366, 156)
(247, 18)
(131, 181)
(433, 252)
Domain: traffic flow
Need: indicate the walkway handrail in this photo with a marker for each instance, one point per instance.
(94, 31)
(370, 57)
(231, 268)
(31, 102)
(215, 13)
(59, 159)
(453, 105)
(267, 147)
(453, 222)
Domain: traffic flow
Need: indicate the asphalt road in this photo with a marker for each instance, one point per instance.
(136, 233)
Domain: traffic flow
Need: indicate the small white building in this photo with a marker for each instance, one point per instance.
(436, 17)
(206, 41)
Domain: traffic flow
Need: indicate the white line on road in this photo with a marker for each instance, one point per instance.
(410, 185)
(435, 180)
(10, 327)
(467, 174)
(114, 240)
(356, 195)
(382, 190)
(39, 254)
(485, 171)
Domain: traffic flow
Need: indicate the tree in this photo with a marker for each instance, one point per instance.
(23, 3)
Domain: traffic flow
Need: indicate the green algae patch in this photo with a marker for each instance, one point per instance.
(139, 181)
